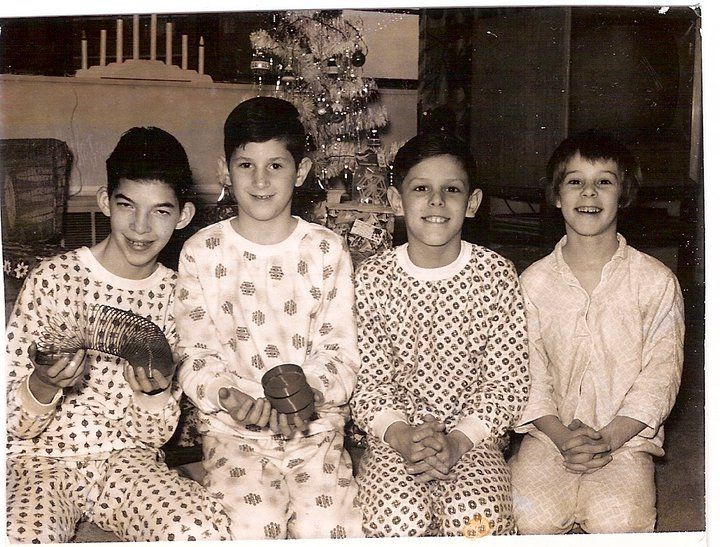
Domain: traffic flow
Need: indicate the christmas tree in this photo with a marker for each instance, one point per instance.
(315, 59)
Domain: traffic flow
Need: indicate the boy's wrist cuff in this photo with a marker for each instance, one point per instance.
(152, 403)
(31, 404)
(474, 429)
(315, 382)
(384, 419)
(531, 413)
(641, 415)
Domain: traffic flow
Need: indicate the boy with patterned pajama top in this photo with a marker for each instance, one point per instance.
(443, 348)
(606, 330)
(84, 433)
(259, 290)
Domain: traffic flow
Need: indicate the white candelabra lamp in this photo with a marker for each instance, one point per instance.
(135, 68)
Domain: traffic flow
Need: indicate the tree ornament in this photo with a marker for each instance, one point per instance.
(374, 139)
(346, 176)
(391, 175)
(358, 58)
(332, 69)
(288, 75)
(260, 62)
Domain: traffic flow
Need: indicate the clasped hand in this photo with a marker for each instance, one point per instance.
(249, 411)
(429, 452)
(584, 450)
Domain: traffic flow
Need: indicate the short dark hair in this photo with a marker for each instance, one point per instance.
(261, 119)
(594, 145)
(150, 153)
(429, 145)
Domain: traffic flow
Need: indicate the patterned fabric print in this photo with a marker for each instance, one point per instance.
(450, 343)
(394, 504)
(45, 498)
(616, 352)
(243, 308)
(273, 489)
(453, 347)
(548, 499)
(101, 413)
(132, 494)
(187, 432)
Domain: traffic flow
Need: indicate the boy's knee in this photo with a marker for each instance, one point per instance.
(195, 528)
(498, 523)
(391, 519)
(19, 532)
(535, 517)
(473, 515)
(267, 519)
(536, 526)
(631, 518)
(335, 526)
(258, 528)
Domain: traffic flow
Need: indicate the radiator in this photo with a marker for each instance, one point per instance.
(85, 228)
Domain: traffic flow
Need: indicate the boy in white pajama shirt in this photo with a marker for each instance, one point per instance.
(262, 289)
(84, 433)
(606, 348)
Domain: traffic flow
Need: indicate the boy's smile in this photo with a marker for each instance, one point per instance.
(436, 219)
(143, 216)
(588, 196)
(263, 176)
(435, 198)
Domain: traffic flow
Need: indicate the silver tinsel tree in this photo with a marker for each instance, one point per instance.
(315, 59)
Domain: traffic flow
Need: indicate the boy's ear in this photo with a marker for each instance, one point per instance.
(224, 172)
(186, 215)
(473, 203)
(103, 200)
(395, 200)
(302, 171)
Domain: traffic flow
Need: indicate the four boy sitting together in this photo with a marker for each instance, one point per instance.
(436, 348)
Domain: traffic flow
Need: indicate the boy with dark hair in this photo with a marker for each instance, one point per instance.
(443, 349)
(85, 431)
(255, 291)
(606, 333)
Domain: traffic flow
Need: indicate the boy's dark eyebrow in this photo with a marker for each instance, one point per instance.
(603, 171)
(447, 180)
(166, 204)
(274, 158)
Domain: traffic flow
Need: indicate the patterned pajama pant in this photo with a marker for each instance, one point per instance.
(271, 488)
(619, 497)
(132, 494)
(395, 504)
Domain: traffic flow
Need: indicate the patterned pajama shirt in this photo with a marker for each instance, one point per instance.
(94, 451)
(242, 309)
(615, 352)
(450, 342)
